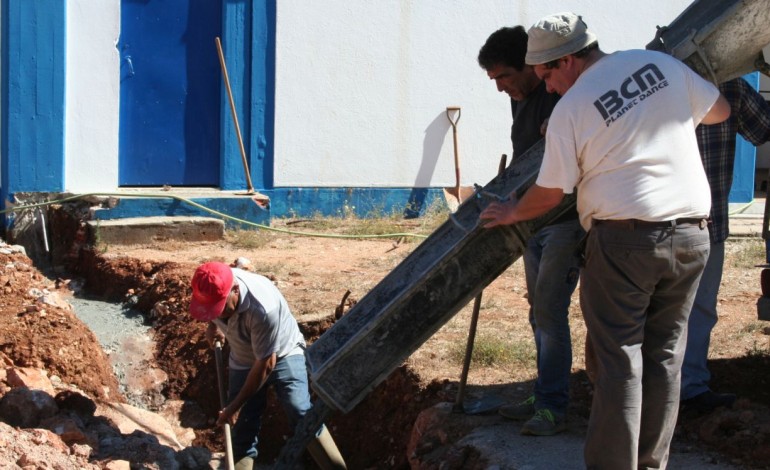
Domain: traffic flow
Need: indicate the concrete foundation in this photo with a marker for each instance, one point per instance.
(138, 230)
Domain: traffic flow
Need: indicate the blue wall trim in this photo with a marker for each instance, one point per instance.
(4, 59)
(34, 35)
(363, 202)
(263, 93)
(288, 202)
(248, 40)
(236, 45)
(239, 207)
(742, 190)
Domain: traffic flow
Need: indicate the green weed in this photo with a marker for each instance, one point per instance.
(752, 327)
(248, 239)
(376, 222)
(747, 253)
(491, 351)
(758, 351)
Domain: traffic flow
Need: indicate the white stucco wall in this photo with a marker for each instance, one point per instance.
(362, 87)
(92, 95)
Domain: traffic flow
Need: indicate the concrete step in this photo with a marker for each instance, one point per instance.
(236, 207)
(138, 230)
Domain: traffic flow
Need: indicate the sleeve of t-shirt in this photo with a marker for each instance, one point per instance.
(703, 94)
(560, 162)
(264, 335)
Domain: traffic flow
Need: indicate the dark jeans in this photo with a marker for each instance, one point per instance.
(703, 319)
(289, 379)
(552, 269)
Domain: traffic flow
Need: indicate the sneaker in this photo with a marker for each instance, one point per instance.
(708, 401)
(544, 423)
(521, 410)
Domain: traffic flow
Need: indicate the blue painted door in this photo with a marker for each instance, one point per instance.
(169, 93)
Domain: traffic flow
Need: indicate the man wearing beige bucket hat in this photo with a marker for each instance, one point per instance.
(623, 134)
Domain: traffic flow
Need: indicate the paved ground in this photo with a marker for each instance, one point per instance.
(563, 451)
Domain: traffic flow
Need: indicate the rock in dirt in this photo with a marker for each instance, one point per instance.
(26, 407)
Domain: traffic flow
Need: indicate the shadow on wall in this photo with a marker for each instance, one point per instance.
(435, 134)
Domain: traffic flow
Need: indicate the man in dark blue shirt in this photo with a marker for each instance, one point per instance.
(551, 262)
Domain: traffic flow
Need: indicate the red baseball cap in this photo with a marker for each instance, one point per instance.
(211, 285)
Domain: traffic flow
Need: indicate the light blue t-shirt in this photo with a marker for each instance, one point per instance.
(262, 323)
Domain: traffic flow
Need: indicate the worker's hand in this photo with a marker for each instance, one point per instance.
(226, 416)
(499, 213)
(213, 334)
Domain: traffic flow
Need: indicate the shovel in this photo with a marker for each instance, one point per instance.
(484, 404)
(226, 77)
(455, 193)
(222, 404)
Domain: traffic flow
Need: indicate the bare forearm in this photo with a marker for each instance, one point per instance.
(719, 112)
(538, 201)
(535, 202)
(257, 377)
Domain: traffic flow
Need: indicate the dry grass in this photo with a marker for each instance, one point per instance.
(314, 273)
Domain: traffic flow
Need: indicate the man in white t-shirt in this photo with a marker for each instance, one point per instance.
(266, 349)
(623, 134)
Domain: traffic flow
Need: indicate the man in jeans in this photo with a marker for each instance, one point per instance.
(551, 262)
(623, 134)
(750, 118)
(266, 349)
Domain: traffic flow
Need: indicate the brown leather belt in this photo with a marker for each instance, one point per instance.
(634, 223)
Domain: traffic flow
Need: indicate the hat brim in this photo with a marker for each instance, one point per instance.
(206, 311)
(548, 55)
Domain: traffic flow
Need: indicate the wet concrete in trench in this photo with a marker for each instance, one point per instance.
(127, 341)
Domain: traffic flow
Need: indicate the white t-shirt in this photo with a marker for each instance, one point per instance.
(262, 323)
(624, 136)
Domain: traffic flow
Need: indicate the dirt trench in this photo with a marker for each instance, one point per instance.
(311, 273)
(374, 435)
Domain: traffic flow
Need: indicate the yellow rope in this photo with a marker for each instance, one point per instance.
(212, 211)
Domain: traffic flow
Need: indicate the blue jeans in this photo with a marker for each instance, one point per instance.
(703, 318)
(289, 379)
(552, 270)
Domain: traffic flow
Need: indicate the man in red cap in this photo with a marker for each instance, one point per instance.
(266, 349)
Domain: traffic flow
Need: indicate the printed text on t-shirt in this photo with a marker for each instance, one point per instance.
(613, 104)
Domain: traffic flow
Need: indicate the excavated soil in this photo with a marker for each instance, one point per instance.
(381, 425)
(314, 274)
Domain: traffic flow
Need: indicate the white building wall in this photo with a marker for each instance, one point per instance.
(92, 95)
(361, 87)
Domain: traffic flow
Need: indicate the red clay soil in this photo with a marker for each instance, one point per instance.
(49, 337)
(373, 435)
(376, 433)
